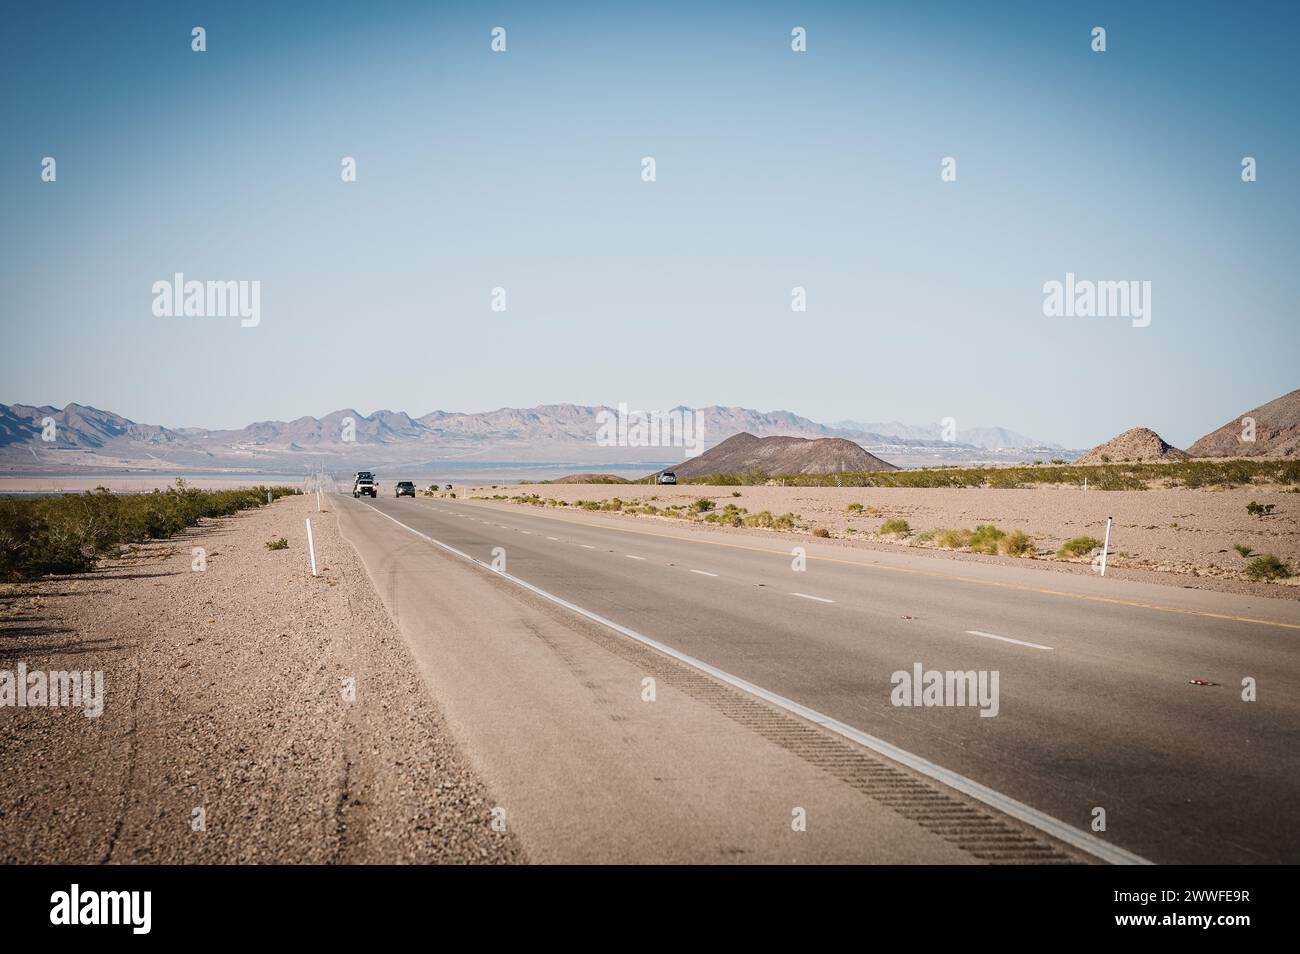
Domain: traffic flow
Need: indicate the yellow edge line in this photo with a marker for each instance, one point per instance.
(943, 576)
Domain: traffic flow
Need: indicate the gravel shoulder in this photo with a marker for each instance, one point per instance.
(228, 734)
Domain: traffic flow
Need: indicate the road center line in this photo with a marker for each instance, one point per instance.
(1007, 639)
(819, 599)
(1083, 840)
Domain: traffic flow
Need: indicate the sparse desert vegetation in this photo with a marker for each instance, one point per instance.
(1106, 476)
(1078, 547)
(69, 533)
(1267, 567)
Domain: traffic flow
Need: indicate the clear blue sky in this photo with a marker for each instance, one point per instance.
(775, 169)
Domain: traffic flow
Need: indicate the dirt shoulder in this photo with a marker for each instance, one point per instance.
(228, 733)
(1181, 537)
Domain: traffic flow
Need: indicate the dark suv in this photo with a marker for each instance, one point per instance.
(405, 489)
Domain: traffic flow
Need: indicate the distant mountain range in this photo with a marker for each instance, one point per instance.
(989, 438)
(78, 438)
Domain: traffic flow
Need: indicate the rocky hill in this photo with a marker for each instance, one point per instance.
(1276, 432)
(781, 457)
(1139, 445)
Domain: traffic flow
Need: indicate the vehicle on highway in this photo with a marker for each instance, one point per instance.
(405, 488)
(365, 484)
(667, 477)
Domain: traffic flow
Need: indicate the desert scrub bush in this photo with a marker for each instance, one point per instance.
(821, 532)
(281, 544)
(1005, 479)
(1244, 550)
(68, 534)
(702, 505)
(726, 518)
(735, 493)
(1015, 544)
(985, 539)
(1259, 509)
(1078, 547)
(854, 508)
(1267, 567)
(895, 528)
(946, 539)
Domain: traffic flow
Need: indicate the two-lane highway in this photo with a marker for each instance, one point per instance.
(1097, 707)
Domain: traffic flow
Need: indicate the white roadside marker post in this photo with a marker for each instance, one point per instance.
(318, 500)
(1105, 547)
(268, 496)
(311, 547)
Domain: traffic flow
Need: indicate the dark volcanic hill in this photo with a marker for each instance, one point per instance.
(781, 457)
(1276, 432)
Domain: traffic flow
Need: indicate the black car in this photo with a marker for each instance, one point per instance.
(405, 489)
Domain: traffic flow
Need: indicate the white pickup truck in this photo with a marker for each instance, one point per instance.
(365, 485)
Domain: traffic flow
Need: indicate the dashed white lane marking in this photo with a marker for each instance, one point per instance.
(556, 539)
(991, 797)
(1007, 639)
(819, 599)
(704, 573)
(529, 532)
(633, 556)
(586, 546)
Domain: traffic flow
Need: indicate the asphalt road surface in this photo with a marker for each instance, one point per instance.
(1097, 708)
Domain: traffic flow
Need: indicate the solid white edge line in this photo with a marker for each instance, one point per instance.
(1113, 854)
(1008, 639)
(819, 599)
(704, 573)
